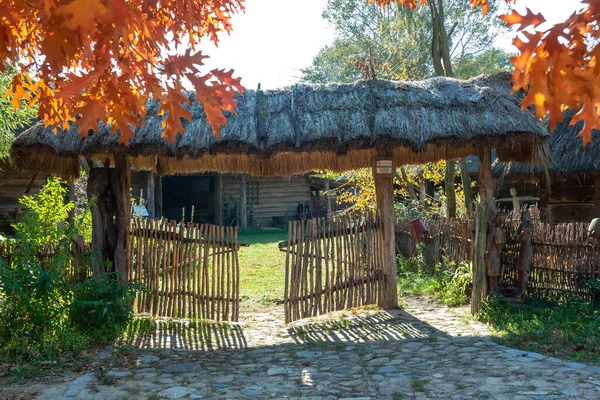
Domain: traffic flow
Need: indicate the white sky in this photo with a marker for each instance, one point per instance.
(274, 39)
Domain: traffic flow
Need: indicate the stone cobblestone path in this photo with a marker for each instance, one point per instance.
(424, 352)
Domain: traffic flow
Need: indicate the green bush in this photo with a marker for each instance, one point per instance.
(455, 285)
(450, 284)
(45, 315)
(33, 286)
(101, 303)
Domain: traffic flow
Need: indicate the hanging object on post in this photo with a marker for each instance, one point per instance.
(384, 167)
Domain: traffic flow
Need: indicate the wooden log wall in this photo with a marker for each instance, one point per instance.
(185, 270)
(15, 184)
(277, 197)
(333, 264)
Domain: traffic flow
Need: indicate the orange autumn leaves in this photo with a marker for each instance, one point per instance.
(558, 67)
(102, 59)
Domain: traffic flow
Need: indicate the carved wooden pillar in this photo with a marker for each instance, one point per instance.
(111, 215)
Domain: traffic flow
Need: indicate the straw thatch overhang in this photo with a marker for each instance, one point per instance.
(306, 127)
(567, 154)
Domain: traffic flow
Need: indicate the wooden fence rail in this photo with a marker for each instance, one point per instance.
(332, 265)
(564, 257)
(185, 270)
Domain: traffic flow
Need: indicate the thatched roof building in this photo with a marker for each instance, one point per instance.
(306, 127)
(567, 155)
(571, 191)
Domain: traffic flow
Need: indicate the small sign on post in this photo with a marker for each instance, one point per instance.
(384, 167)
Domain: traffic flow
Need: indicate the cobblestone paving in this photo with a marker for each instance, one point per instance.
(427, 351)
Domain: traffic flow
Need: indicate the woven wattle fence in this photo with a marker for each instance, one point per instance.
(185, 270)
(564, 257)
(332, 265)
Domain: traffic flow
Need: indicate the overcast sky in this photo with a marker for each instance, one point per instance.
(274, 39)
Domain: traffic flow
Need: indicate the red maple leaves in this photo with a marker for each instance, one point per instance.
(103, 59)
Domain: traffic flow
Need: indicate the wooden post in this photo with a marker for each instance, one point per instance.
(384, 191)
(243, 224)
(122, 196)
(327, 198)
(219, 199)
(484, 210)
(111, 216)
(150, 194)
(158, 197)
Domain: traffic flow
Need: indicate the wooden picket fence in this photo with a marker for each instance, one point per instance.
(450, 239)
(332, 265)
(564, 257)
(185, 270)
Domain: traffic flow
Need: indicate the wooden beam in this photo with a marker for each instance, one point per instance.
(384, 191)
(243, 223)
(151, 194)
(484, 210)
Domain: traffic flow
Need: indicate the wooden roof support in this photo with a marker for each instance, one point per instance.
(483, 219)
(384, 191)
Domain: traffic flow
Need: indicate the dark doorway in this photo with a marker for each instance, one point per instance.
(181, 192)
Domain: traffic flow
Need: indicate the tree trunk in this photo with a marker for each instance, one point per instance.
(450, 190)
(482, 228)
(465, 179)
(409, 186)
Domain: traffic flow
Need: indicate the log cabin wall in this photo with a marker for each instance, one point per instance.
(574, 198)
(14, 185)
(268, 199)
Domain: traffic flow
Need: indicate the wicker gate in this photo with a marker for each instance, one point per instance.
(332, 265)
(185, 270)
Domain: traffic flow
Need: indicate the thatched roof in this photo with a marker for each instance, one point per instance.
(568, 156)
(307, 127)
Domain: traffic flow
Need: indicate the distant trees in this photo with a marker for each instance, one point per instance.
(443, 38)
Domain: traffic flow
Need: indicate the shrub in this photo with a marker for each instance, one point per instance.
(450, 284)
(101, 303)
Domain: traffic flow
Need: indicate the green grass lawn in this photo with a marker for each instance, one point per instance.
(262, 268)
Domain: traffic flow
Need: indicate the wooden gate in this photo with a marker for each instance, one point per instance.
(185, 270)
(332, 265)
